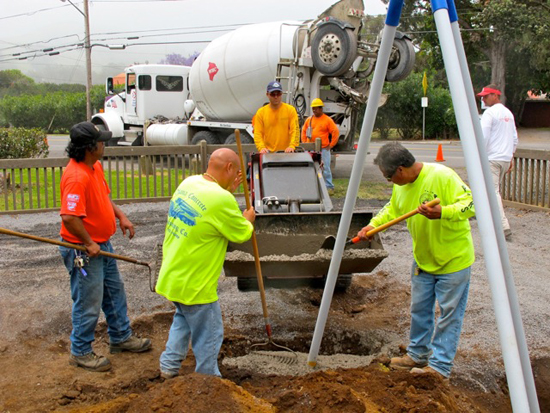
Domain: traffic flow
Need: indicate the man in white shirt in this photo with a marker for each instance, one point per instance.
(501, 140)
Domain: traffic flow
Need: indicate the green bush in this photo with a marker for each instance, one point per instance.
(53, 112)
(18, 143)
(403, 110)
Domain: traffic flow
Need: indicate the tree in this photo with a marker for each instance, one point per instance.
(14, 83)
(507, 42)
(177, 59)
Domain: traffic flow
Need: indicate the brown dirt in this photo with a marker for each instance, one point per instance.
(36, 376)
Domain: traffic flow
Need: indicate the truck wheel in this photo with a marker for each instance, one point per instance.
(247, 284)
(401, 60)
(333, 49)
(342, 283)
(205, 135)
(101, 126)
(245, 138)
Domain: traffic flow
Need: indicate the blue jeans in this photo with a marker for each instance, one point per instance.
(451, 292)
(100, 289)
(327, 174)
(202, 324)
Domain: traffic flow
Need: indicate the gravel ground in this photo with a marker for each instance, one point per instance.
(43, 288)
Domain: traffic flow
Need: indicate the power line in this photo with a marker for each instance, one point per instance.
(30, 13)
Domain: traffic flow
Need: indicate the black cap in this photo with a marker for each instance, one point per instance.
(84, 133)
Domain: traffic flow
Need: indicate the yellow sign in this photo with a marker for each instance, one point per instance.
(425, 83)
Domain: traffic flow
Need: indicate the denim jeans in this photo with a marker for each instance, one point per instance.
(327, 174)
(202, 324)
(100, 289)
(431, 342)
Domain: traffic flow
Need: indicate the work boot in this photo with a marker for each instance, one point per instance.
(428, 370)
(134, 344)
(90, 361)
(405, 363)
(508, 234)
(330, 191)
(167, 375)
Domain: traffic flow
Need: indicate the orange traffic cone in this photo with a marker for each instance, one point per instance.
(439, 156)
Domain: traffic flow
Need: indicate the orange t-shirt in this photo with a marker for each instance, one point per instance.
(321, 127)
(85, 194)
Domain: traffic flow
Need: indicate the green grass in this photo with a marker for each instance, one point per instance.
(367, 190)
(42, 189)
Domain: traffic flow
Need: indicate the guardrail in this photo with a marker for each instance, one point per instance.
(134, 174)
(528, 184)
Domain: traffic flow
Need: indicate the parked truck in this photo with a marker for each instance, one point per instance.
(325, 58)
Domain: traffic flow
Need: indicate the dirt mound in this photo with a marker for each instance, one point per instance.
(372, 389)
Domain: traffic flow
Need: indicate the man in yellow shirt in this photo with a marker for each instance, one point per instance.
(443, 254)
(276, 125)
(203, 216)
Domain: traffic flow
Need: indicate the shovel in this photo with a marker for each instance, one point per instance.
(328, 243)
(268, 330)
(80, 248)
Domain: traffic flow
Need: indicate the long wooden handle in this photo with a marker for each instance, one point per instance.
(254, 241)
(69, 245)
(382, 227)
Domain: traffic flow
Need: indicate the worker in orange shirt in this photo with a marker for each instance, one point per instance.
(321, 126)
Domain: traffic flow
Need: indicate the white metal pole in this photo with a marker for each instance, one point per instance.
(423, 122)
(514, 373)
(392, 20)
(503, 249)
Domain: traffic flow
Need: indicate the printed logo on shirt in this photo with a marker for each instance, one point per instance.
(181, 210)
(73, 197)
(427, 196)
(71, 206)
(506, 119)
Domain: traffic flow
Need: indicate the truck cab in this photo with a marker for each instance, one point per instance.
(150, 91)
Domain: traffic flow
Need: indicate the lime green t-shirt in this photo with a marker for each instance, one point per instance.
(440, 246)
(202, 218)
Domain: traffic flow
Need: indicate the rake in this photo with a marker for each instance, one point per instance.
(268, 330)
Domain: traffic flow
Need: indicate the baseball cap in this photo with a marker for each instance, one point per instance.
(86, 132)
(487, 91)
(274, 86)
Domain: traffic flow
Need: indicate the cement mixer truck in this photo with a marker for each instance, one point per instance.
(325, 58)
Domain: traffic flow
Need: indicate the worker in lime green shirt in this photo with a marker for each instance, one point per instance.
(203, 217)
(443, 254)
(276, 125)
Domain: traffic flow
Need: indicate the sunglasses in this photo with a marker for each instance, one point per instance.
(389, 177)
(274, 94)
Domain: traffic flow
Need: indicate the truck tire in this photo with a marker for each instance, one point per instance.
(247, 284)
(401, 60)
(343, 282)
(245, 138)
(333, 49)
(205, 135)
(101, 126)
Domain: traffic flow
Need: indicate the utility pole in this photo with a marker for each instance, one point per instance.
(88, 62)
(88, 48)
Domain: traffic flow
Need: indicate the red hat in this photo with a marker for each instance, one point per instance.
(487, 91)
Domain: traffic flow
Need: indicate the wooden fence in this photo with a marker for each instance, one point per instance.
(528, 184)
(134, 174)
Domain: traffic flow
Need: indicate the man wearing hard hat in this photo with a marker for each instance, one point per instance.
(322, 126)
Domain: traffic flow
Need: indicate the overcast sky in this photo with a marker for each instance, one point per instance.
(28, 27)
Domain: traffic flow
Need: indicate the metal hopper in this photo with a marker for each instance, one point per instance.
(289, 246)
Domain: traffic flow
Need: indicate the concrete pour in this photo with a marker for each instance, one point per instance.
(293, 364)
